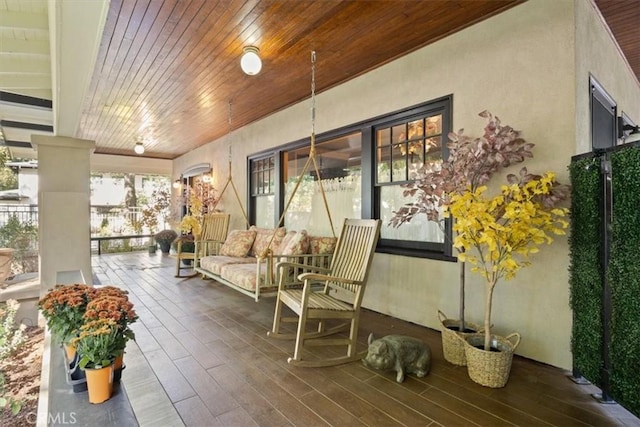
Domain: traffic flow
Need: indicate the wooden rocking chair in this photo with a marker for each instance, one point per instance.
(212, 236)
(338, 297)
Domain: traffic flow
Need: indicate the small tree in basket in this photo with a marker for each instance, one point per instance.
(497, 234)
(471, 163)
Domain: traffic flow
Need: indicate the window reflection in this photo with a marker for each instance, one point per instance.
(339, 167)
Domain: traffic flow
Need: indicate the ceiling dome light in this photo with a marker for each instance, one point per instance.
(139, 148)
(250, 62)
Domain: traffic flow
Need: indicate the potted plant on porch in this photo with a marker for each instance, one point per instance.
(164, 239)
(200, 200)
(159, 208)
(113, 303)
(471, 163)
(63, 308)
(97, 347)
(496, 235)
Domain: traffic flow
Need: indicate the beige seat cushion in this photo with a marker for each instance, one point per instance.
(243, 275)
(215, 263)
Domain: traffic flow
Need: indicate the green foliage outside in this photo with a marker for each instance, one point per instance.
(585, 271)
(121, 245)
(11, 337)
(22, 237)
(150, 212)
(8, 178)
(624, 277)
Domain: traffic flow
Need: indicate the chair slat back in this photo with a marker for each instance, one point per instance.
(354, 252)
(215, 226)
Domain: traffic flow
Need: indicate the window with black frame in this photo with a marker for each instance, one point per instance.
(262, 181)
(364, 169)
(405, 148)
(603, 117)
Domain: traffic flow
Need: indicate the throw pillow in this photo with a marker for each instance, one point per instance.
(238, 243)
(322, 245)
(263, 237)
(294, 243)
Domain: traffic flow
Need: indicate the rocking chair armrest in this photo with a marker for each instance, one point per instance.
(208, 241)
(312, 269)
(287, 272)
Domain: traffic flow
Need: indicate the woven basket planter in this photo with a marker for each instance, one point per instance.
(452, 344)
(490, 368)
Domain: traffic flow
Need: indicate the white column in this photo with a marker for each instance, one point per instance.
(64, 206)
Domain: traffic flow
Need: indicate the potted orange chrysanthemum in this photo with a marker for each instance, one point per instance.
(97, 347)
(113, 303)
(63, 308)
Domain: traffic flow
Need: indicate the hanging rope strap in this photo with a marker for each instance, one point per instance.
(310, 161)
(230, 179)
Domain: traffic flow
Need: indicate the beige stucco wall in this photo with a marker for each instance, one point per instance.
(597, 54)
(521, 66)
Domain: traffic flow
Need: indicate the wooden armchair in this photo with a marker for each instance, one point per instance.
(330, 293)
(212, 236)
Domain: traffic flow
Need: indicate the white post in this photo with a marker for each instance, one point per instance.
(64, 206)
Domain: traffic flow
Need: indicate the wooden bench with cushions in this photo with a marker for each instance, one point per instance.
(245, 264)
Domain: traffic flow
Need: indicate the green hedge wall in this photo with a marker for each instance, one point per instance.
(624, 277)
(585, 272)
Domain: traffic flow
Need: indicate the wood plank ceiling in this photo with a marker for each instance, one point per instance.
(623, 18)
(166, 70)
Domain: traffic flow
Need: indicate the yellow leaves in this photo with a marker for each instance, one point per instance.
(190, 224)
(506, 228)
(195, 205)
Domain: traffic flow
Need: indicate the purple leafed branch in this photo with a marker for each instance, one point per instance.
(471, 163)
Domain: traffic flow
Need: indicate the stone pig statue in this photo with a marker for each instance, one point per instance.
(399, 353)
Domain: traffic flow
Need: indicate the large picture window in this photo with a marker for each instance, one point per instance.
(363, 168)
(339, 164)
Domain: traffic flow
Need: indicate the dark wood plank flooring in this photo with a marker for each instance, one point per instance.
(207, 346)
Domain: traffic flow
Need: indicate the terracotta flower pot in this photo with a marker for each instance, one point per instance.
(100, 383)
(6, 257)
(70, 351)
(117, 364)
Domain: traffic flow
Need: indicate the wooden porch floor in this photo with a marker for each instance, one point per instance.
(203, 359)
